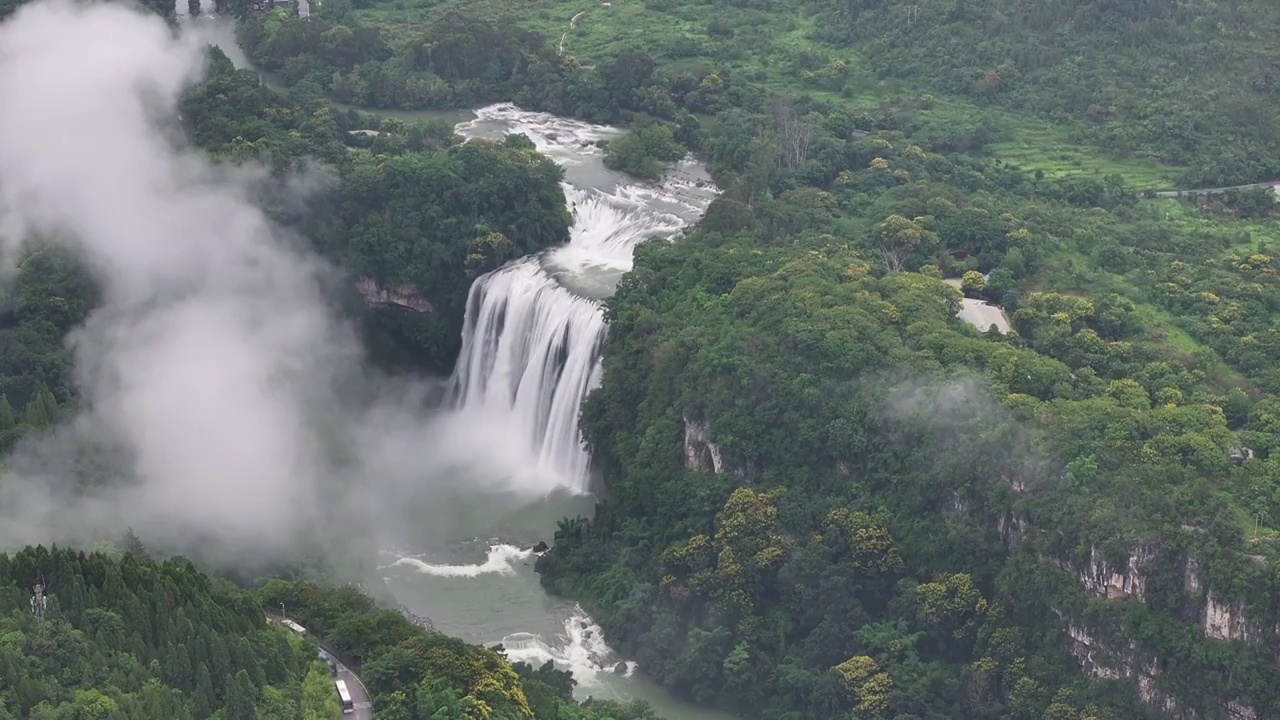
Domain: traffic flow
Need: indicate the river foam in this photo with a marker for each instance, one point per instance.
(579, 648)
(501, 560)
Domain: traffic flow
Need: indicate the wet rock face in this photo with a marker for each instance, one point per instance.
(402, 297)
(700, 453)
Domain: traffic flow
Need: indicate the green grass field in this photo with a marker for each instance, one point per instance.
(1254, 235)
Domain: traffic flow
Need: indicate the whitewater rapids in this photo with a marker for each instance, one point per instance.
(534, 329)
(574, 641)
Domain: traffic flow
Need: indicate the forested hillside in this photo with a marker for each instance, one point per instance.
(128, 637)
(49, 294)
(406, 206)
(1195, 83)
(1161, 93)
(125, 637)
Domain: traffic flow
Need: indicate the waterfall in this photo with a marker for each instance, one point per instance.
(534, 328)
(182, 8)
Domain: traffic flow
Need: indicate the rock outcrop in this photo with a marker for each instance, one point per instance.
(699, 451)
(402, 297)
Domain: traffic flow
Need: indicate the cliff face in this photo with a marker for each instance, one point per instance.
(1109, 587)
(700, 453)
(402, 297)
(1109, 651)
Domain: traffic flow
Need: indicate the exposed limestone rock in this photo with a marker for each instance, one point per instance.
(1166, 704)
(1226, 621)
(1102, 580)
(1218, 620)
(1191, 582)
(403, 297)
(699, 450)
(953, 502)
(1154, 697)
(1012, 528)
(1090, 656)
(1237, 710)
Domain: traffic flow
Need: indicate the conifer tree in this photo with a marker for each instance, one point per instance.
(8, 419)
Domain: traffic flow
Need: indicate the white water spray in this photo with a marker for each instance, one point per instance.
(501, 560)
(534, 328)
(580, 649)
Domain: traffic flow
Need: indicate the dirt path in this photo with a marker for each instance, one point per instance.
(573, 22)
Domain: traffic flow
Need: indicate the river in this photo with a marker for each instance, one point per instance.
(515, 465)
(531, 352)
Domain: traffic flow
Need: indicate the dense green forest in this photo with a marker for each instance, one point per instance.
(48, 295)
(826, 496)
(1193, 83)
(123, 636)
(1160, 93)
(408, 206)
(129, 637)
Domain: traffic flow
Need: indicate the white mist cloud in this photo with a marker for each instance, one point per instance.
(212, 370)
(213, 332)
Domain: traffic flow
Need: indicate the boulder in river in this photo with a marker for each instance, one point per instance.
(540, 547)
(620, 668)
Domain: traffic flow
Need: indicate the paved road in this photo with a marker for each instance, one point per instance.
(364, 708)
(359, 695)
(1274, 184)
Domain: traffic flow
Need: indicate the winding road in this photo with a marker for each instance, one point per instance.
(1270, 184)
(359, 694)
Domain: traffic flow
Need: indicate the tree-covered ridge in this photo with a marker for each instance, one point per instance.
(409, 206)
(416, 674)
(698, 50)
(453, 62)
(883, 539)
(1192, 82)
(462, 59)
(129, 637)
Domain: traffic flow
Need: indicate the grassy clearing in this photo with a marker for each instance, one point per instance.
(1073, 273)
(1260, 235)
(1036, 145)
(765, 47)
